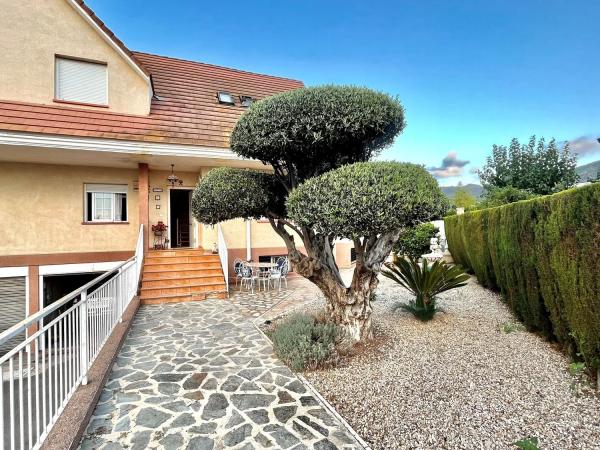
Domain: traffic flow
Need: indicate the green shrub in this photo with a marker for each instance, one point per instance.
(415, 241)
(543, 255)
(511, 327)
(302, 342)
(528, 444)
(503, 196)
(425, 282)
(463, 199)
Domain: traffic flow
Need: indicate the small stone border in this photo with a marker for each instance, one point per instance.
(321, 399)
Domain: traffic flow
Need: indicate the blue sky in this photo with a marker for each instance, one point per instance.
(470, 73)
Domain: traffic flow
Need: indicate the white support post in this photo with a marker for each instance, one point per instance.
(83, 337)
(248, 241)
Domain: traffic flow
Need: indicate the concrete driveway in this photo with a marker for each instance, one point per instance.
(200, 376)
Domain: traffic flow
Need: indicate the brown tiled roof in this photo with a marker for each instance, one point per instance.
(185, 109)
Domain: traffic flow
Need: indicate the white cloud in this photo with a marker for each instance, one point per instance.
(451, 167)
(585, 145)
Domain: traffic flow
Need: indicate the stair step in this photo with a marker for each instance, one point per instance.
(183, 281)
(181, 273)
(179, 251)
(147, 291)
(160, 267)
(220, 294)
(180, 259)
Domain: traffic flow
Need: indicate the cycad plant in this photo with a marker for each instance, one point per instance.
(425, 282)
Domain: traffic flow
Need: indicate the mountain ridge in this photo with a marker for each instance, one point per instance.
(588, 171)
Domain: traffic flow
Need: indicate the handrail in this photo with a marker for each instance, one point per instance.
(55, 352)
(28, 321)
(223, 255)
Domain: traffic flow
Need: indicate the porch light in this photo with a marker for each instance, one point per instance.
(225, 98)
(174, 179)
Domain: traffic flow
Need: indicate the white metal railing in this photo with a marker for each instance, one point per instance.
(223, 256)
(40, 374)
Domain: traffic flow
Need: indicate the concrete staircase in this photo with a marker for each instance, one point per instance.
(172, 276)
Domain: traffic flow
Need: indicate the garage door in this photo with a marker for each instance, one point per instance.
(12, 305)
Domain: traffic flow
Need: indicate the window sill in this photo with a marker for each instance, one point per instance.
(104, 223)
(69, 102)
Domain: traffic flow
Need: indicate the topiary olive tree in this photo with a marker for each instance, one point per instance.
(318, 141)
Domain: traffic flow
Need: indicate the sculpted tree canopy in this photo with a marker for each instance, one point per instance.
(306, 132)
(318, 141)
(367, 199)
(226, 193)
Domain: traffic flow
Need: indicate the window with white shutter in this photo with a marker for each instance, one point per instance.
(81, 81)
(105, 203)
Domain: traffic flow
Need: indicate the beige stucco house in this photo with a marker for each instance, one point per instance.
(89, 133)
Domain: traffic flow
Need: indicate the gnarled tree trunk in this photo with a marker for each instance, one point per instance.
(348, 307)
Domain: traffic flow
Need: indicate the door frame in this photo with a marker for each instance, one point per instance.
(193, 224)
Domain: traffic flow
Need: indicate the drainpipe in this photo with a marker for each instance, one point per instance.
(248, 242)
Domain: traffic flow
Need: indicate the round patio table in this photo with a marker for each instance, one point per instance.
(260, 265)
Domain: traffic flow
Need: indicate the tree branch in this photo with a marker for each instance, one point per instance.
(291, 225)
(281, 176)
(380, 249)
(281, 231)
(369, 242)
(360, 251)
(307, 239)
(330, 262)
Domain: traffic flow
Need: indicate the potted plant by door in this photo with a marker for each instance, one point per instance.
(160, 232)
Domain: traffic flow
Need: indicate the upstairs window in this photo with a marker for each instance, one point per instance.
(105, 203)
(81, 81)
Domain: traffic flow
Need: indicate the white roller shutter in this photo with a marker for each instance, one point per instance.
(12, 308)
(81, 81)
(114, 188)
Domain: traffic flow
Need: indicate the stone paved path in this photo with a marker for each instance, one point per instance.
(255, 305)
(200, 376)
(269, 304)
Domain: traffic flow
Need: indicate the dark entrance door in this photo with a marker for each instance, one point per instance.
(180, 218)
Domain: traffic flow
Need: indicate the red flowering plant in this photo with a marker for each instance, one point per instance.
(160, 227)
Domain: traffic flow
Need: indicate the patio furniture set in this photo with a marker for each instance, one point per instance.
(249, 274)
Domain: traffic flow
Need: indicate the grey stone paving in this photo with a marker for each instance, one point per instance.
(262, 305)
(256, 304)
(200, 376)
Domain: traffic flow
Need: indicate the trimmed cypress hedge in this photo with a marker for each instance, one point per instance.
(544, 256)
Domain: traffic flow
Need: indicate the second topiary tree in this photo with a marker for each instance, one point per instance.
(317, 140)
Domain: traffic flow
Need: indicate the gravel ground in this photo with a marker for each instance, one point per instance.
(458, 382)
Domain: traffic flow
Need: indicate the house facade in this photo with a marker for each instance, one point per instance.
(90, 133)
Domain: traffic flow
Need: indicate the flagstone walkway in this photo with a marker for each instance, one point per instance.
(267, 305)
(200, 376)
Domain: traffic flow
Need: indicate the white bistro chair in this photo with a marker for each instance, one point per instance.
(280, 272)
(237, 268)
(264, 277)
